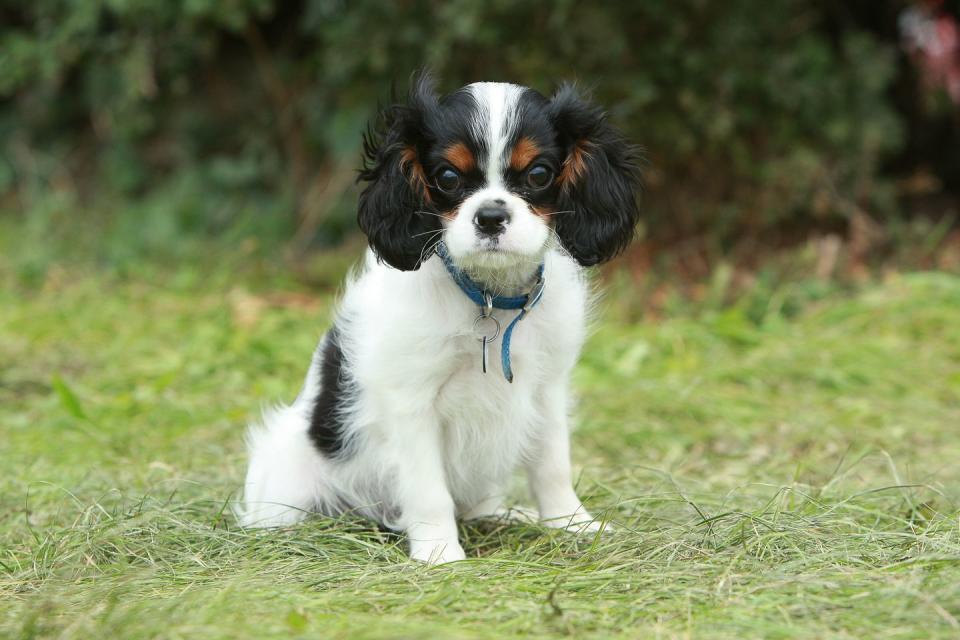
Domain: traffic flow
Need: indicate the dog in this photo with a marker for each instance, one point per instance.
(447, 366)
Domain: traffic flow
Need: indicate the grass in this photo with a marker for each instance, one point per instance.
(770, 474)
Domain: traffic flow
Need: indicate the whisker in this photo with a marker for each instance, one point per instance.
(558, 243)
(428, 249)
(432, 249)
(417, 235)
(431, 213)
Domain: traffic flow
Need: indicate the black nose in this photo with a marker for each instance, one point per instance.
(491, 219)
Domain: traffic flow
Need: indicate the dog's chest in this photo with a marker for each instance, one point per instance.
(488, 422)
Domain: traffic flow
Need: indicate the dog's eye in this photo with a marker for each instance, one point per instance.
(539, 176)
(448, 180)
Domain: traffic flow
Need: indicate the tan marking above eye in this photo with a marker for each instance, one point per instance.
(524, 152)
(460, 157)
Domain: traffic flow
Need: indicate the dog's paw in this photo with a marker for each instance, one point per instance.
(580, 523)
(433, 553)
(514, 515)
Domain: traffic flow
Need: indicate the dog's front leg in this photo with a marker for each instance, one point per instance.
(426, 507)
(548, 470)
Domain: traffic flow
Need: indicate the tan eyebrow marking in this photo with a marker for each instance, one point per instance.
(575, 166)
(411, 167)
(460, 157)
(524, 152)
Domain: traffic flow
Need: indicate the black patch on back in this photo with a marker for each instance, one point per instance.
(327, 420)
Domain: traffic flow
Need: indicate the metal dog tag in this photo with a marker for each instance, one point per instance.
(486, 328)
(483, 357)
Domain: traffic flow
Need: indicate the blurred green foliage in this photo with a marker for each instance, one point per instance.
(249, 112)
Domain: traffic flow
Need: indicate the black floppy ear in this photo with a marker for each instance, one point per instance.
(391, 211)
(599, 180)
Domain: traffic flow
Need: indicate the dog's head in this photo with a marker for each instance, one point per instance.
(498, 172)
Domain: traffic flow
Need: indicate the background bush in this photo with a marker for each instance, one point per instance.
(244, 116)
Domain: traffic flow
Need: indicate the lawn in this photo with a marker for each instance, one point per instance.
(782, 473)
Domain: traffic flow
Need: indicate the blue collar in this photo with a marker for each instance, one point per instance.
(485, 301)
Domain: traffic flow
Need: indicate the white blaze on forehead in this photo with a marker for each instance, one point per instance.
(496, 118)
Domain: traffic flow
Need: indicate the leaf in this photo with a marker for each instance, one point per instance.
(68, 398)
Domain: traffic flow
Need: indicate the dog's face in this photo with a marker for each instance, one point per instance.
(498, 172)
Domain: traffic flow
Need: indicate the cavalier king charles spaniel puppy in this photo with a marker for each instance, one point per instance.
(449, 359)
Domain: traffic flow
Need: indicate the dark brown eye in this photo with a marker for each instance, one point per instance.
(447, 180)
(539, 176)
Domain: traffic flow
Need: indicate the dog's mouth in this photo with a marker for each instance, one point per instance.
(489, 245)
(492, 256)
